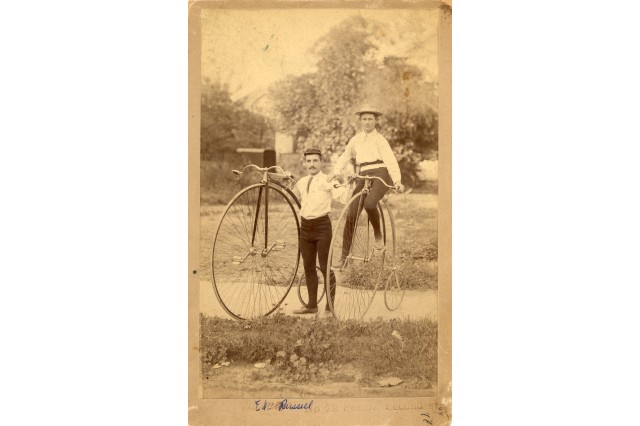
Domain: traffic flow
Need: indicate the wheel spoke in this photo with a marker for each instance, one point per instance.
(248, 281)
(358, 280)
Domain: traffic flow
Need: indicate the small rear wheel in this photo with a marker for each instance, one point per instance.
(393, 291)
(303, 294)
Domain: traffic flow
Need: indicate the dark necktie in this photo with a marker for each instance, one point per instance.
(309, 184)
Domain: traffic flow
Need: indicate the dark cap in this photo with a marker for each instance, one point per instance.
(312, 150)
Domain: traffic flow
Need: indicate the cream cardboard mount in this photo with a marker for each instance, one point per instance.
(229, 63)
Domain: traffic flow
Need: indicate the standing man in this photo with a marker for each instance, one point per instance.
(373, 157)
(315, 230)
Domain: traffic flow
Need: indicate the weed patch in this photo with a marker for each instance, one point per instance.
(314, 351)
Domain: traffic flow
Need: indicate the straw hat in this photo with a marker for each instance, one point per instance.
(368, 109)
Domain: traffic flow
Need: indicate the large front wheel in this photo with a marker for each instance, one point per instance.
(357, 265)
(255, 252)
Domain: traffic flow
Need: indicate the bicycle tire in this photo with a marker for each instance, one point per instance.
(248, 279)
(390, 244)
(303, 294)
(393, 291)
(289, 192)
(358, 277)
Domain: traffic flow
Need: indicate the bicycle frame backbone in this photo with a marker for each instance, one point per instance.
(267, 177)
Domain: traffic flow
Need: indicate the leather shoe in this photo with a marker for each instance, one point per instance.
(338, 265)
(327, 308)
(305, 310)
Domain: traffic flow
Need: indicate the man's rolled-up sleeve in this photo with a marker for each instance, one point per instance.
(342, 161)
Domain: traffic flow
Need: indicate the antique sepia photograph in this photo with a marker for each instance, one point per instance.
(318, 152)
(280, 254)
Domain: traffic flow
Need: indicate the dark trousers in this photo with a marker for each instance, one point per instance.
(370, 205)
(315, 241)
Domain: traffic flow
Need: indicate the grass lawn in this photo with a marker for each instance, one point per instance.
(328, 356)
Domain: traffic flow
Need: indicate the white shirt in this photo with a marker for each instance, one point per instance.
(317, 202)
(369, 147)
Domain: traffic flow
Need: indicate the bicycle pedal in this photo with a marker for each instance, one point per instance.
(279, 245)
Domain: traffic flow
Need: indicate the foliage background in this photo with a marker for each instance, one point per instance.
(305, 73)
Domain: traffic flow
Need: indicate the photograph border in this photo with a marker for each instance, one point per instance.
(402, 410)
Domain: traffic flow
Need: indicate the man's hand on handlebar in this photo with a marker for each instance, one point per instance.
(399, 187)
(332, 177)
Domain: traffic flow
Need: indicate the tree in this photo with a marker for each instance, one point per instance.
(227, 125)
(313, 106)
(318, 108)
(216, 124)
(411, 121)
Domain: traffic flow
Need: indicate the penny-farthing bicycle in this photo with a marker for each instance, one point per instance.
(255, 251)
(360, 269)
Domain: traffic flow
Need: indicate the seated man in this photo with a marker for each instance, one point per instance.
(374, 157)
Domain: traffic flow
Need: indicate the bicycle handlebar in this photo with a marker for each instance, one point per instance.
(279, 171)
(351, 178)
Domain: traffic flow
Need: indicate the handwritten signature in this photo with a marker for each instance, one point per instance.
(264, 405)
(427, 418)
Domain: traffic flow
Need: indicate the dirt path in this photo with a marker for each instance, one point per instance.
(246, 381)
(415, 305)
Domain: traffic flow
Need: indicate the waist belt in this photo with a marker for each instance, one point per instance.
(323, 218)
(370, 163)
